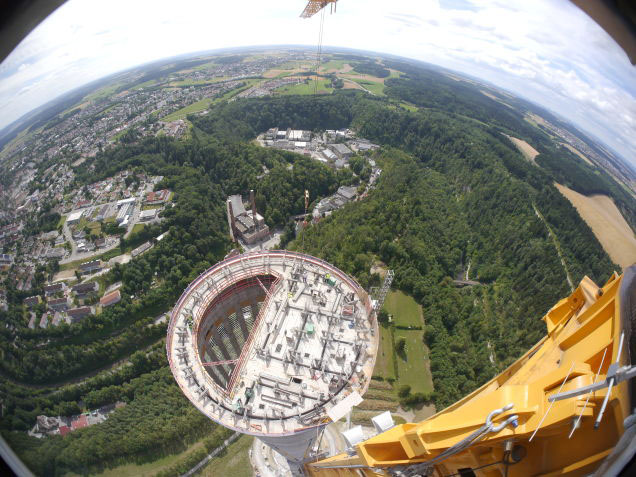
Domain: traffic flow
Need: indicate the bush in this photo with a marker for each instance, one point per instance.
(383, 316)
(404, 390)
(414, 399)
(400, 345)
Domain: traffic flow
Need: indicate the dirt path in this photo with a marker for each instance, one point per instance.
(607, 223)
(556, 245)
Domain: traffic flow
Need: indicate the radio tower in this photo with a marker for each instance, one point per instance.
(384, 289)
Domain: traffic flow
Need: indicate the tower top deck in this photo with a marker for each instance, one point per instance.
(266, 343)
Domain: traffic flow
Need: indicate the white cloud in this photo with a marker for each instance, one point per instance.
(548, 51)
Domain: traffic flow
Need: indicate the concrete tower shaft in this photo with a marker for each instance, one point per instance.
(270, 343)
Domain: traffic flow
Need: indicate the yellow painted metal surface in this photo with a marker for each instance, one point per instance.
(583, 332)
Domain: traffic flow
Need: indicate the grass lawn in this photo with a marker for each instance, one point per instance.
(61, 221)
(151, 468)
(415, 369)
(137, 228)
(233, 461)
(200, 105)
(307, 88)
(409, 106)
(375, 88)
(333, 65)
(384, 361)
(404, 309)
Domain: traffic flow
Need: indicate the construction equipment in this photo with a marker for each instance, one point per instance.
(564, 408)
(314, 6)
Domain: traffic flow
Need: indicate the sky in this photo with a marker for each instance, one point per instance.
(547, 51)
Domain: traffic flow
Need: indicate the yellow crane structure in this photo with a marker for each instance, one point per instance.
(559, 410)
(314, 6)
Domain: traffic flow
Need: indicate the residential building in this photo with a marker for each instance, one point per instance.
(58, 304)
(110, 298)
(50, 290)
(5, 261)
(157, 197)
(44, 322)
(32, 301)
(76, 314)
(83, 289)
(90, 267)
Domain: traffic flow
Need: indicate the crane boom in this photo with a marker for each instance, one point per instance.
(536, 429)
(314, 6)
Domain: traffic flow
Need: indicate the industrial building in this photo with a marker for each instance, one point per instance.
(274, 344)
(342, 151)
(146, 215)
(74, 217)
(125, 211)
(247, 226)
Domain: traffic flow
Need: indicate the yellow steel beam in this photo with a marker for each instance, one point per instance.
(584, 330)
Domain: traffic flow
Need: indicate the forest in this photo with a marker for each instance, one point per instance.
(454, 198)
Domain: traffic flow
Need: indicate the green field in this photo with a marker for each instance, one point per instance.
(409, 106)
(404, 309)
(200, 105)
(374, 87)
(191, 82)
(306, 88)
(104, 92)
(233, 461)
(414, 365)
(151, 468)
(333, 65)
(145, 84)
(384, 365)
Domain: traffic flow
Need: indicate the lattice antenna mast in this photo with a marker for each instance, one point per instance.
(384, 289)
(313, 7)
